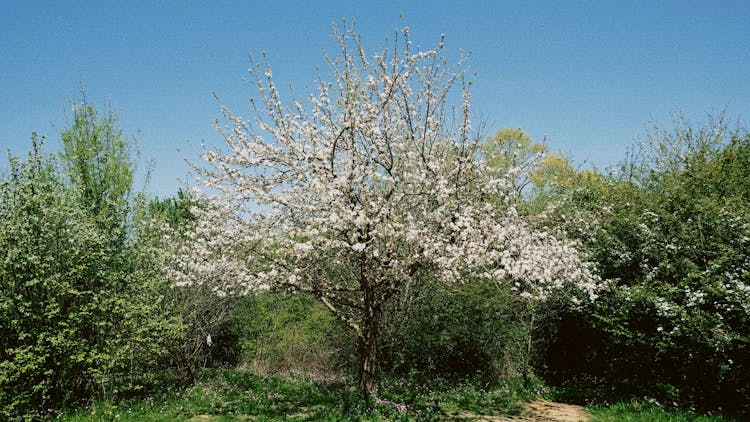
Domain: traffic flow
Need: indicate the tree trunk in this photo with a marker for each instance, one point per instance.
(368, 355)
(367, 343)
(529, 346)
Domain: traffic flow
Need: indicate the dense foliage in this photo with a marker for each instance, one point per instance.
(279, 333)
(453, 331)
(78, 314)
(674, 233)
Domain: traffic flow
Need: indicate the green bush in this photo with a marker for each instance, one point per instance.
(80, 303)
(674, 235)
(455, 331)
(279, 332)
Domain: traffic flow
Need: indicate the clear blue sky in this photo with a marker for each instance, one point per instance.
(591, 76)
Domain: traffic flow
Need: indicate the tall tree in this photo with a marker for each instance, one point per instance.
(373, 182)
(98, 160)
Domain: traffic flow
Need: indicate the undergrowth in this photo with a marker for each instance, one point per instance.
(236, 395)
(650, 411)
(230, 394)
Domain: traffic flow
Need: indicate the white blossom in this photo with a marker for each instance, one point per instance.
(379, 174)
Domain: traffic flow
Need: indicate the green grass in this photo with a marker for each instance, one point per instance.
(645, 411)
(234, 395)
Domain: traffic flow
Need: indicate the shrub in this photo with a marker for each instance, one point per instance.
(292, 333)
(80, 289)
(674, 234)
(455, 331)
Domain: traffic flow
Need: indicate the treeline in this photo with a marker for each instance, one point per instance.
(88, 307)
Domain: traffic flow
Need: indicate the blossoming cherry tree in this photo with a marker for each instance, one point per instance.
(370, 183)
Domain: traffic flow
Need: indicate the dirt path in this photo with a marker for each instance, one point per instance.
(539, 411)
(547, 411)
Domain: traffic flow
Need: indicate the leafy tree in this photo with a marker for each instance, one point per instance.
(98, 161)
(510, 149)
(80, 303)
(365, 188)
(175, 211)
(545, 179)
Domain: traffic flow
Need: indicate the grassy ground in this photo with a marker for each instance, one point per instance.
(232, 395)
(644, 411)
(235, 395)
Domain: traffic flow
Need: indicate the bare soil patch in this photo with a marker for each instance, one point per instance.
(538, 411)
(547, 411)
